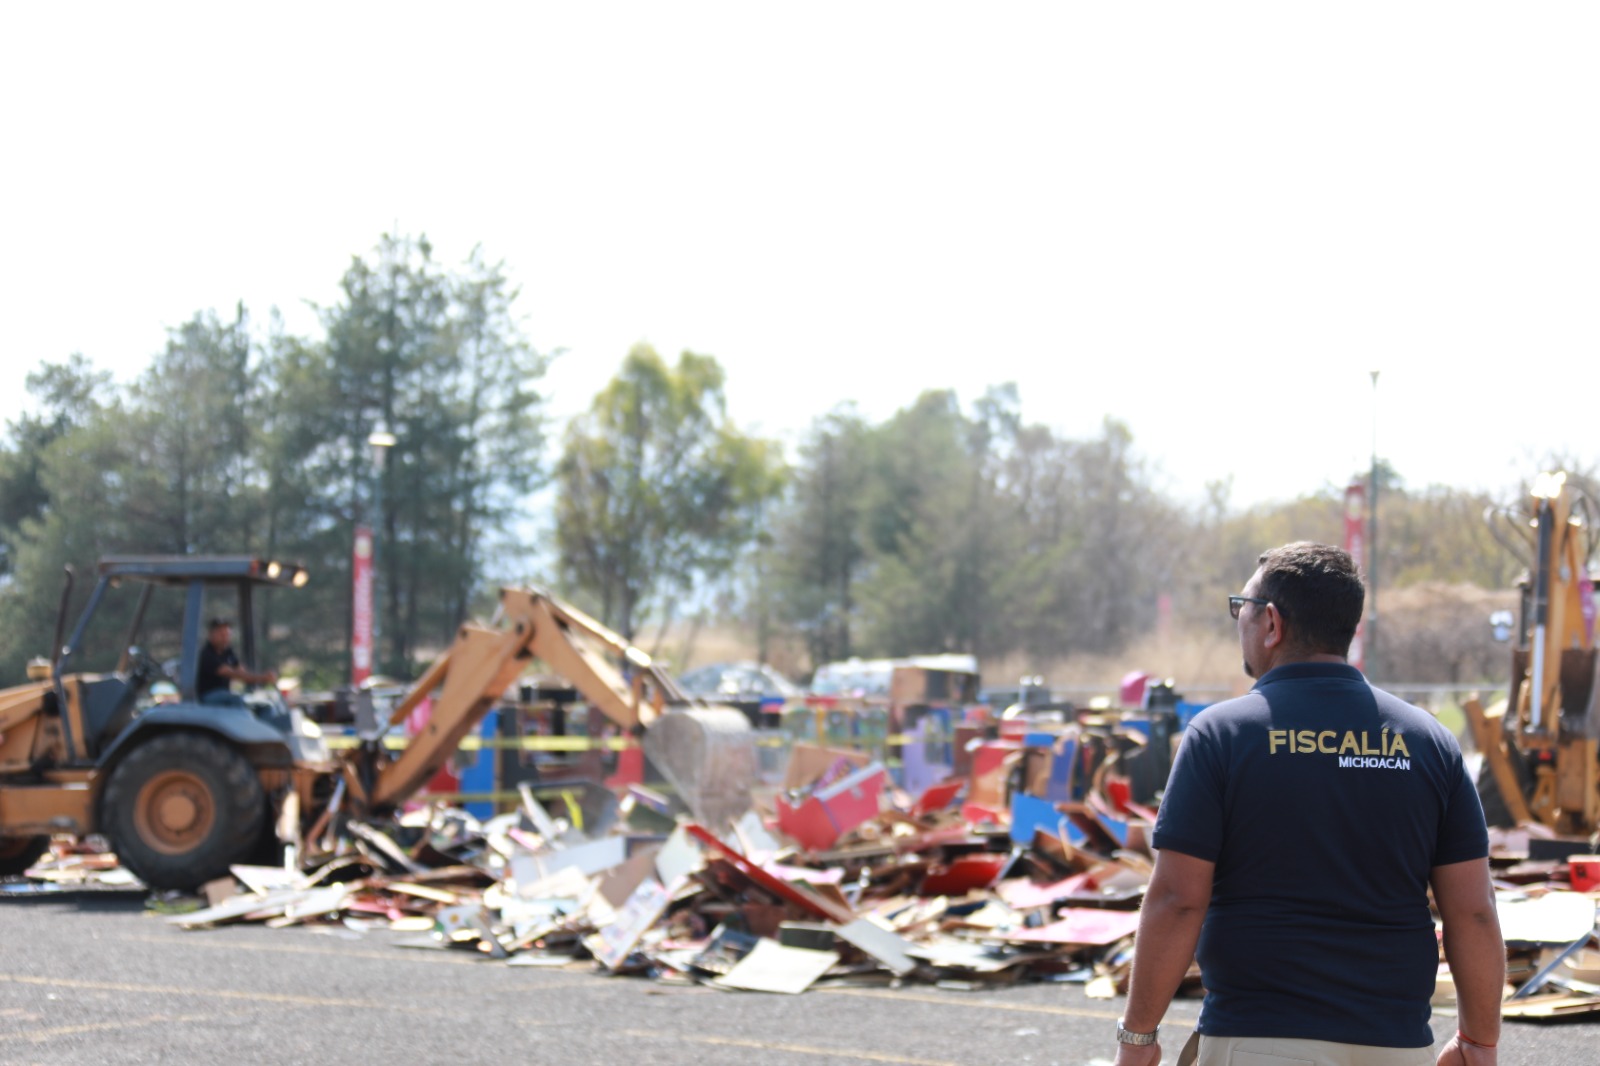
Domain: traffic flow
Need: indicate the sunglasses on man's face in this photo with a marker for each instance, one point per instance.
(1236, 603)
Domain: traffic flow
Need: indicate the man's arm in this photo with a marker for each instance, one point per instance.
(1477, 957)
(1169, 926)
(239, 673)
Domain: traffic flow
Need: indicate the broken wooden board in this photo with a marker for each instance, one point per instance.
(1551, 1007)
(267, 878)
(253, 905)
(424, 892)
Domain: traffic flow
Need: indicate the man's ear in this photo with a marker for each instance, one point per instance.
(1275, 634)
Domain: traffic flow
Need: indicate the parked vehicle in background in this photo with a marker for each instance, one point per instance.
(905, 686)
(754, 688)
(738, 681)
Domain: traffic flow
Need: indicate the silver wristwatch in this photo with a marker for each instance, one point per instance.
(1136, 1039)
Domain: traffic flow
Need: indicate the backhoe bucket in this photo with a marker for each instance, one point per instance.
(708, 755)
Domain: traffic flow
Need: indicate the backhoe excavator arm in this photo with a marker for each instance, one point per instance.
(483, 662)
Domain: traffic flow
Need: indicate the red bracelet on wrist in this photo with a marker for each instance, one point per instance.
(1465, 1039)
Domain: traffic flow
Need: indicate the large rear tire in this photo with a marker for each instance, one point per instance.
(181, 808)
(19, 853)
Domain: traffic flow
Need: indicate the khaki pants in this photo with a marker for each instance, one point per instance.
(1280, 1051)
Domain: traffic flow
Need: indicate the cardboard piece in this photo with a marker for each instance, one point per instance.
(1026, 896)
(880, 942)
(771, 967)
(589, 859)
(754, 838)
(1554, 918)
(952, 953)
(614, 943)
(808, 762)
(679, 857)
(570, 883)
(620, 882)
(217, 891)
(1082, 925)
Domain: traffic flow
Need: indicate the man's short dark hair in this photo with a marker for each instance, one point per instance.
(1318, 591)
(218, 623)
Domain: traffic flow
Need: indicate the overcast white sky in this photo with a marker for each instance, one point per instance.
(1208, 220)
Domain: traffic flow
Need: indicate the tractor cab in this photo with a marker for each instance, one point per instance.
(143, 625)
(92, 745)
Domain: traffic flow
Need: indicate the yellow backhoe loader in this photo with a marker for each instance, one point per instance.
(182, 790)
(1540, 748)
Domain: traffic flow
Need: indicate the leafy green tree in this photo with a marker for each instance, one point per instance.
(166, 470)
(192, 415)
(91, 477)
(819, 555)
(941, 528)
(67, 394)
(438, 359)
(657, 491)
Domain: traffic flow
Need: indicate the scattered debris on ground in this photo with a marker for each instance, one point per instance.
(846, 880)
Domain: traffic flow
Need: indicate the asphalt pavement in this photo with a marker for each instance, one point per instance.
(92, 977)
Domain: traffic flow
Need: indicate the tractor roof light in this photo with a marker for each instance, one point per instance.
(1547, 486)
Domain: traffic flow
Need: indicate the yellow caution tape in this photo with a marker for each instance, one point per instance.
(617, 743)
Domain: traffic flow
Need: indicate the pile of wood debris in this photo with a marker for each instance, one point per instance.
(888, 889)
(916, 892)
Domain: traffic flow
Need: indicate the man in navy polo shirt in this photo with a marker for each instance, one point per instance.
(1300, 831)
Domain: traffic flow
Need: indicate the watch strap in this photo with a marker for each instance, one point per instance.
(1124, 1036)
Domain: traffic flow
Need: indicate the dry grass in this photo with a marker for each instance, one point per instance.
(1432, 633)
(1208, 661)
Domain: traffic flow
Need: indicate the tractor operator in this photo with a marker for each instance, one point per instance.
(219, 668)
(1302, 826)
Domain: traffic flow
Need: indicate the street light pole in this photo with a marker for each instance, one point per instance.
(1370, 650)
(380, 440)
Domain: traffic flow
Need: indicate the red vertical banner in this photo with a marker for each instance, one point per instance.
(361, 614)
(1355, 542)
